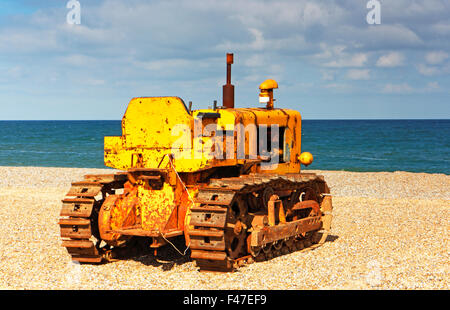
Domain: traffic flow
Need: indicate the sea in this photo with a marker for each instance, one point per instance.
(348, 145)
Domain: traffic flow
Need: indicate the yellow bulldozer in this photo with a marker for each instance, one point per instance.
(228, 180)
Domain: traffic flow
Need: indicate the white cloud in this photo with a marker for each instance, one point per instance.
(397, 88)
(435, 58)
(255, 60)
(28, 41)
(95, 82)
(261, 44)
(328, 75)
(441, 28)
(338, 86)
(328, 51)
(405, 88)
(348, 60)
(16, 72)
(427, 70)
(384, 36)
(393, 59)
(337, 56)
(78, 60)
(432, 86)
(357, 74)
(294, 14)
(165, 64)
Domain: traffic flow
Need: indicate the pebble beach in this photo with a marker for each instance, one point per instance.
(390, 230)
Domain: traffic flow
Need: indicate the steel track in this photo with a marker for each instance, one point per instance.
(221, 224)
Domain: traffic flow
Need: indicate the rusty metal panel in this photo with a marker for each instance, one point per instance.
(90, 251)
(156, 206)
(85, 189)
(77, 244)
(209, 255)
(273, 233)
(78, 207)
(87, 259)
(215, 198)
(146, 233)
(207, 243)
(75, 228)
(208, 219)
(206, 233)
(314, 205)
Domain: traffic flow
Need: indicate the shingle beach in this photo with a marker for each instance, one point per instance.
(390, 230)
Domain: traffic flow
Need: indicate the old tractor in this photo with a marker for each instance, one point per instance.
(225, 179)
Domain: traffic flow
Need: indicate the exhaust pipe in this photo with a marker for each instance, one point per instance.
(228, 89)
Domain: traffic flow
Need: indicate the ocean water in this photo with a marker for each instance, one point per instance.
(352, 145)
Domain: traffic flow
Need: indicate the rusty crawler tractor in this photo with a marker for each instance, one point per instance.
(232, 208)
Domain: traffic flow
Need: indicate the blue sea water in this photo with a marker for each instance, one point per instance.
(352, 145)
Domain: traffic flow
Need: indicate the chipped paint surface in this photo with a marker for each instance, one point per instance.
(151, 130)
(156, 206)
(149, 138)
(186, 219)
(125, 212)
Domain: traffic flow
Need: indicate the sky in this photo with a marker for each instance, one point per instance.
(329, 62)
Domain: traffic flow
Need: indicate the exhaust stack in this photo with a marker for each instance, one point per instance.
(228, 89)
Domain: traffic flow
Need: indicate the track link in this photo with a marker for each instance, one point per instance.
(79, 216)
(227, 214)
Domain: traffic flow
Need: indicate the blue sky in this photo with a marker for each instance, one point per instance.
(329, 62)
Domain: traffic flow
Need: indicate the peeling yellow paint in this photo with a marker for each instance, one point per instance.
(151, 136)
(156, 206)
